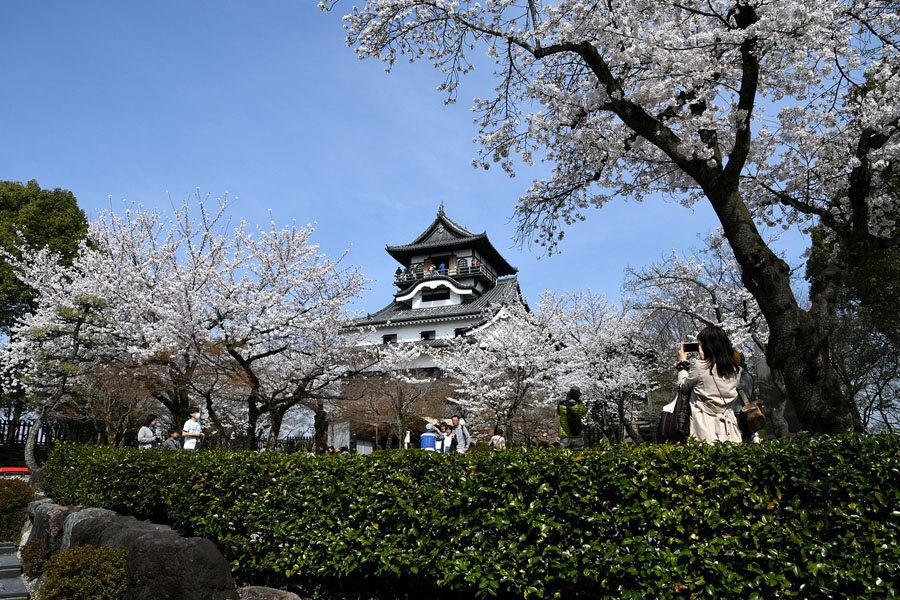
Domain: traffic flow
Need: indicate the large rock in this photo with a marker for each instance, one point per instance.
(82, 523)
(161, 564)
(47, 521)
(255, 592)
(32, 506)
(166, 565)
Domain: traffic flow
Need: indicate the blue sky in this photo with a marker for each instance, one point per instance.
(263, 100)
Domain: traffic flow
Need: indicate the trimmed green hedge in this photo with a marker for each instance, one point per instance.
(810, 518)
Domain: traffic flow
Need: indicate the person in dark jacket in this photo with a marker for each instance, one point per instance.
(172, 442)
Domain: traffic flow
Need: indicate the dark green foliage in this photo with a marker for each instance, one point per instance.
(809, 518)
(15, 495)
(45, 218)
(872, 287)
(85, 573)
(34, 555)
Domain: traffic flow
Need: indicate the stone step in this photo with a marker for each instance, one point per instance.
(13, 589)
(7, 548)
(10, 567)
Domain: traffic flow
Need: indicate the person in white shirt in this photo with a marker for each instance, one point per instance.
(498, 442)
(192, 432)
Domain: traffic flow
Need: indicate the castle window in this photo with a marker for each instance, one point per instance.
(461, 264)
(428, 335)
(389, 339)
(460, 331)
(434, 295)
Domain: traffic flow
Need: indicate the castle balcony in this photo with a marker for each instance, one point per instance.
(418, 273)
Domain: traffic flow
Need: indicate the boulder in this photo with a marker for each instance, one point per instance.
(163, 564)
(32, 506)
(256, 592)
(82, 523)
(47, 520)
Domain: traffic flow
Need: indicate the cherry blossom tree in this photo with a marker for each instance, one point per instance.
(607, 354)
(784, 112)
(277, 307)
(395, 393)
(680, 296)
(706, 289)
(165, 301)
(510, 364)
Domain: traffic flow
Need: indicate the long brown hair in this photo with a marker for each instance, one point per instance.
(718, 352)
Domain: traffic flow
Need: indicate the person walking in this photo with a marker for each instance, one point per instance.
(714, 379)
(446, 438)
(192, 432)
(429, 440)
(460, 436)
(172, 442)
(498, 442)
(146, 437)
(570, 412)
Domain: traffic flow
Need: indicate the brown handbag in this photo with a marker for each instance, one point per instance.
(756, 418)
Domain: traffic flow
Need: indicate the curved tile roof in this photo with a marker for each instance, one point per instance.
(506, 291)
(444, 233)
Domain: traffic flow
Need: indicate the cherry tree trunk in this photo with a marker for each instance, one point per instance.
(253, 415)
(31, 441)
(14, 423)
(277, 418)
(320, 423)
(798, 339)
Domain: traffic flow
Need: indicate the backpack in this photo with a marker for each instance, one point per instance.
(576, 427)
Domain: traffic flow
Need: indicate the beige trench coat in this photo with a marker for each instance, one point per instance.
(712, 418)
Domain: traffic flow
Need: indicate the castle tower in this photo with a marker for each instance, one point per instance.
(448, 280)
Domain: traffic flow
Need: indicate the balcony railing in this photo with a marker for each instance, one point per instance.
(412, 276)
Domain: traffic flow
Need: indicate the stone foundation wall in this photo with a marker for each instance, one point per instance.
(161, 563)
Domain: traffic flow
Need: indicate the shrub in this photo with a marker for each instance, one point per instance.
(34, 555)
(807, 518)
(85, 573)
(15, 495)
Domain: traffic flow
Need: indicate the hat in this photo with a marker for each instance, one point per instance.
(429, 427)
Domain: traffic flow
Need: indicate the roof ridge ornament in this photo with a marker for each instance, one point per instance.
(441, 209)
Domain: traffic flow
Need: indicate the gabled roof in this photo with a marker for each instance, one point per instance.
(446, 234)
(505, 292)
(445, 280)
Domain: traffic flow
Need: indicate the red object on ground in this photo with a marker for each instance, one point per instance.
(14, 470)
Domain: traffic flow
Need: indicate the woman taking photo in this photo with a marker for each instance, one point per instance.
(714, 380)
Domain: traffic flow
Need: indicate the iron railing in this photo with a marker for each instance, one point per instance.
(413, 275)
(15, 433)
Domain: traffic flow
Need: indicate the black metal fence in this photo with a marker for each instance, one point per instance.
(290, 444)
(15, 433)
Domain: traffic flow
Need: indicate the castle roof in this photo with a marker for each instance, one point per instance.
(445, 234)
(505, 292)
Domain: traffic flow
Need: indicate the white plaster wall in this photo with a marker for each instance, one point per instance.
(453, 299)
(409, 333)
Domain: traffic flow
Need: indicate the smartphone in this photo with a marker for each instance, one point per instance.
(691, 346)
